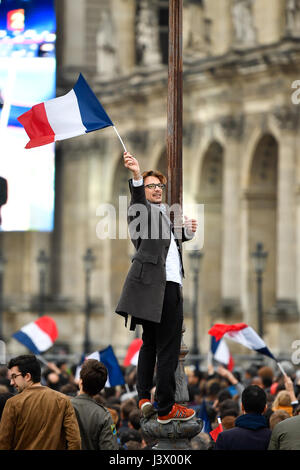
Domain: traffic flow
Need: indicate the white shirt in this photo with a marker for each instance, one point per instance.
(173, 262)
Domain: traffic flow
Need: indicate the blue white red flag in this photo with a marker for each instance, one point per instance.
(38, 336)
(243, 334)
(221, 353)
(108, 358)
(76, 113)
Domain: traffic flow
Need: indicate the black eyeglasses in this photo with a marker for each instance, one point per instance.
(14, 376)
(153, 185)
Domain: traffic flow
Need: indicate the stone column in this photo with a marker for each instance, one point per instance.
(233, 130)
(287, 119)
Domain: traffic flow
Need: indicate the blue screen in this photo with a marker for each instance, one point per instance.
(27, 77)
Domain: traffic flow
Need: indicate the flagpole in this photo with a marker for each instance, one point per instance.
(115, 129)
(281, 368)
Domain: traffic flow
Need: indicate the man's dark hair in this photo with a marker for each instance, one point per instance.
(93, 375)
(254, 399)
(135, 418)
(27, 363)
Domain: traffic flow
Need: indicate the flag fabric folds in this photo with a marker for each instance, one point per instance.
(38, 336)
(132, 355)
(202, 413)
(108, 358)
(243, 334)
(221, 353)
(76, 113)
(215, 432)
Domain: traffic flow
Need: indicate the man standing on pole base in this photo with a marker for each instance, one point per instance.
(152, 291)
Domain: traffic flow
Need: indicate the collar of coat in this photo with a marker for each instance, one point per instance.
(251, 421)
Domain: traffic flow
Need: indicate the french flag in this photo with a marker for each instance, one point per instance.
(132, 354)
(108, 358)
(73, 114)
(38, 336)
(243, 334)
(221, 353)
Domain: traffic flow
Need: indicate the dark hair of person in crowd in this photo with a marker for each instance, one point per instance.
(126, 407)
(130, 435)
(254, 399)
(93, 375)
(70, 389)
(134, 419)
(3, 399)
(224, 395)
(27, 363)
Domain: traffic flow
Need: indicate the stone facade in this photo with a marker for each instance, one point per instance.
(240, 159)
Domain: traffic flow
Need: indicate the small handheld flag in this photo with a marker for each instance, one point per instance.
(132, 355)
(243, 334)
(220, 352)
(76, 113)
(215, 432)
(38, 336)
(108, 358)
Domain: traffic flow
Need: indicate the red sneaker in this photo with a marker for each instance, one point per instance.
(177, 413)
(146, 407)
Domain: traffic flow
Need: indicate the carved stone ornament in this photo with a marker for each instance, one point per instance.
(293, 18)
(107, 61)
(233, 126)
(147, 34)
(244, 29)
(287, 117)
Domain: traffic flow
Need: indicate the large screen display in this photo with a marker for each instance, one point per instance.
(27, 77)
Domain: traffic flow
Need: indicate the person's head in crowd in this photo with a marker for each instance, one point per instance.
(4, 389)
(194, 391)
(93, 376)
(126, 407)
(254, 400)
(283, 401)
(133, 445)
(130, 376)
(266, 371)
(134, 419)
(213, 388)
(109, 392)
(257, 381)
(4, 396)
(228, 422)
(224, 395)
(113, 400)
(201, 441)
(130, 435)
(229, 407)
(70, 389)
(194, 377)
(25, 371)
(277, 417)
(249, 373)
(52, 380)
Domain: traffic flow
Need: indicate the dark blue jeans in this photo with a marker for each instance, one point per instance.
(161, 346)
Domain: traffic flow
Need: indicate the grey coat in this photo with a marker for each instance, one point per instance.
(143, 291)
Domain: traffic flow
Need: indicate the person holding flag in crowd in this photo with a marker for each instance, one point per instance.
(152, 292)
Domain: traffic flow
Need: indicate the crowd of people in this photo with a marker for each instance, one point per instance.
(258, 407)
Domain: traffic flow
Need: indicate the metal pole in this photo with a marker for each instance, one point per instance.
(259, 304)
(87, 342)
(42, 292)
(195, 351)
(174, 111)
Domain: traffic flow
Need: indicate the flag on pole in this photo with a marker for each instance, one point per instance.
(38, 336)
(221, 353)
(202, 413)
(76, 113)
(108, 358)
(215, 432)
(132, 354)
(243, 334)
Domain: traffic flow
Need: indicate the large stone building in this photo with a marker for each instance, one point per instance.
(240, 159)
